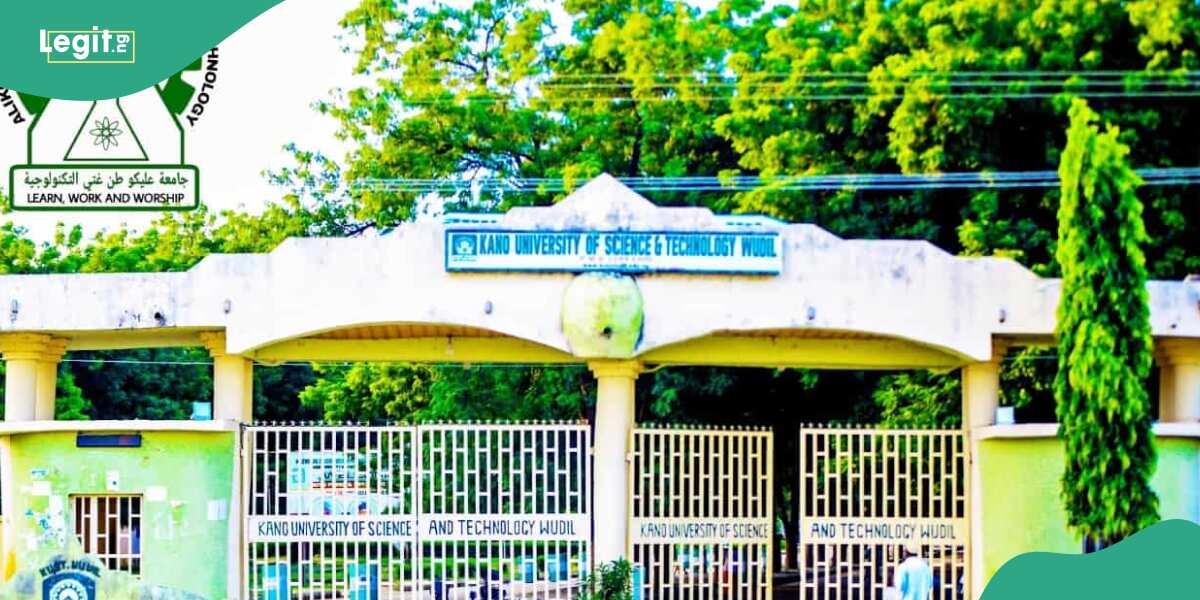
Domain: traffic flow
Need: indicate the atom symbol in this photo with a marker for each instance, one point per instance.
(106, 133)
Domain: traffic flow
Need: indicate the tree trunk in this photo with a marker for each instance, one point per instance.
(635, 155)
(791, 531)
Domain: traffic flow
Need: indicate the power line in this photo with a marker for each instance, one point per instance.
(1080, 82)
(309, 364)
(465, 366)
(754, 82)
(830, 86)
(176, 363)
(922, 94)
(820, 75)
(1176, 176)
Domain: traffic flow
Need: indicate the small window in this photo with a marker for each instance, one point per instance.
(110, 529)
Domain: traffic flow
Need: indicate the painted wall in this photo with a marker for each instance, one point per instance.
(1021, 506)
(181, 547)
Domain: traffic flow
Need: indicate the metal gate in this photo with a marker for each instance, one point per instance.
(701, 513)
(505, 510)
(871, 498)
(329, 512)
(434, 512)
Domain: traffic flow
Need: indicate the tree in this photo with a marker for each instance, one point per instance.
(921, 400)
(408, 393)
(1104, 338)
(876, 87)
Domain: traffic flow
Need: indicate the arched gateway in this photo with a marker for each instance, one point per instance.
(606, 279)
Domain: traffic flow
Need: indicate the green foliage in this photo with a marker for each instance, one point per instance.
(910, 114)
(1027, 382)
(69, 403)
(611, 581)
(1104, 341)
(122, 386)
(277, 392)
(488, 88)
(399, 392)
(920, 400)
(930, 399)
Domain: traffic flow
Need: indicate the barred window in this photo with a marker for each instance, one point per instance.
(109, 527)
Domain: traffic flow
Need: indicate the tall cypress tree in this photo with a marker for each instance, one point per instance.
(1104, 338)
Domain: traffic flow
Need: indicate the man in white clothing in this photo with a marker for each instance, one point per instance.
(914, 577)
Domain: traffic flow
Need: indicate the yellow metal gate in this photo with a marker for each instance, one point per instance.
(871, 499)
(505, 511)
(330, 512)
(426, 512)
(701, 513)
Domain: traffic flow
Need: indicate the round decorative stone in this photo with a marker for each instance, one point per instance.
(602, 315)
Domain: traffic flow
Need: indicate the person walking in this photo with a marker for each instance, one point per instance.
(914, 577)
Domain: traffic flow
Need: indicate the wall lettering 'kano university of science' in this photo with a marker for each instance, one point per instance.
(651, 530)
(433, 527)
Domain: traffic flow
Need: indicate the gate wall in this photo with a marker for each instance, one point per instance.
(702, 513)
(867, 493)
(429, 511)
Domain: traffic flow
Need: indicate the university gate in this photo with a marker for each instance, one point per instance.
(430, 511)
(869, 498)
(484, 511)
(702, 513)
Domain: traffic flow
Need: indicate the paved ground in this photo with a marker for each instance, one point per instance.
(786, 585)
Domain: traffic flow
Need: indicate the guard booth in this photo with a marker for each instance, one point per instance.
(231, 509)
(126, 496)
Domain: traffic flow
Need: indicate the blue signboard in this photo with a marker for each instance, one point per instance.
(735, 253)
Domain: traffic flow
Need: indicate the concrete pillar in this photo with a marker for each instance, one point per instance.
(614, 423)
(28, 378)
(47, 379)
(981, 396)
(1179, 380)
(981, 390)
(31, 362)
(233, 381)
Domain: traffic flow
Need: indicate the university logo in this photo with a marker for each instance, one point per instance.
(95, 45)
(124, 153)
(69, 580)
(463, 245)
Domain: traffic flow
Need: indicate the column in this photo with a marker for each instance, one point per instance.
(1179, 380)
(614, 423)
(233, 400)
(30, 362)
(47, 378)
(29, 378)
(981, 390)
(233, 381)
(981, 397)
